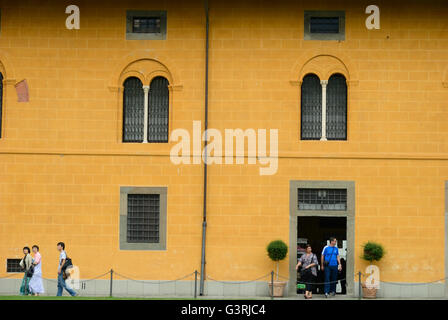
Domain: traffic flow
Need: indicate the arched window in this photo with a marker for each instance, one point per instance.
(158, 111)
(311, 108)
(337, 108)
(1, 102)
(133, 110)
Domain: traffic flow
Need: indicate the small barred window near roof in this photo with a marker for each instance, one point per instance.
(322, 199)
(13, 266)
(143, 218)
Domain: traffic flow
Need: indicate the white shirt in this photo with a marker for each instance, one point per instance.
(62, 256)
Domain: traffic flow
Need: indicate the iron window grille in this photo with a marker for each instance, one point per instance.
(146, 24)
(158, 110)
(133, 110)
(13, 266)
(322, 199)
(324, 24)
(157, 105)
(143, 219)
(336, 122)
(311, 108)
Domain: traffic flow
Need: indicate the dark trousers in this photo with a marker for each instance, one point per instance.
(331, 277)
(308, 279)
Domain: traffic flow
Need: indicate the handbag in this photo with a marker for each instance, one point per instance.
(30, 271)
(327, 263)
(68, 263)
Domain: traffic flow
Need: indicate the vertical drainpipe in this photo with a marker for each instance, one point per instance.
(204, 221)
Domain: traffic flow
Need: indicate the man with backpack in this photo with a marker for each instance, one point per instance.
(64, 262)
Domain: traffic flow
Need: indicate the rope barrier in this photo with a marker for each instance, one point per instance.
(56, 281)
(315, 283)
(154, 282)
(241, 282)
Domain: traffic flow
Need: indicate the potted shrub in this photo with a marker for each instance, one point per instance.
(372, 251)
(277, 251)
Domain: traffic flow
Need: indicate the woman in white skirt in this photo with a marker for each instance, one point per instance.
(36, 285)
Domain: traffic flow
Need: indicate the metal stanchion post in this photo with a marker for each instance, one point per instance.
(195, 283)
(272, 285)
(111, 280)
(360, 285)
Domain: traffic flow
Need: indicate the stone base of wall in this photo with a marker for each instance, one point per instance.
(407, 290)
(130, 288)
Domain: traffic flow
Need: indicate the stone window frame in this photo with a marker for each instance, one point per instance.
(130, 14)
(307, 35)
(124, 244)
(349, 213)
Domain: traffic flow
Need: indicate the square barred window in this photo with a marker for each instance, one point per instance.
(143, 212)
(13, 266)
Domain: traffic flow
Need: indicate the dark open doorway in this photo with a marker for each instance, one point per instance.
(316, 231)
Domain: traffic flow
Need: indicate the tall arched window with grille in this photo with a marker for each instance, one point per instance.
(336, 108)
(158, 110)
(311, 108)
(1, 103)
(133, 110)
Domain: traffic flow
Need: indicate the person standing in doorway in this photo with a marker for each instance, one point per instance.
(308, 261)
(61, 282)
(330, 264)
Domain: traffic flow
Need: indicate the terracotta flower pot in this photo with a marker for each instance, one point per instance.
(279, 288)
(368, 293)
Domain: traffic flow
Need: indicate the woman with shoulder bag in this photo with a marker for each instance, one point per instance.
(308, 261)
(25, 263)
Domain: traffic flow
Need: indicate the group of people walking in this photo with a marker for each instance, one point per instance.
(32, 282)
(330, 264)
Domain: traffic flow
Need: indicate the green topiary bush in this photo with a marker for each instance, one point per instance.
(277, 250)
(373, 251)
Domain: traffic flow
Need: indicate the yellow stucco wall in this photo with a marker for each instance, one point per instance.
(62, 161)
